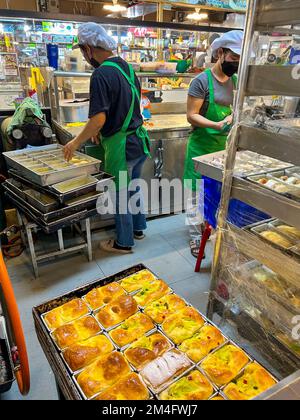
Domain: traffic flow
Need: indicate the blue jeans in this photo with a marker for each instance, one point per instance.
(127, 224)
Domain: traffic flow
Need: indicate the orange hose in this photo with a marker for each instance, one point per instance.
(22, 375)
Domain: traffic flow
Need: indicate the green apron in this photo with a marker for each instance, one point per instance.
(203, 141)
(114, 147)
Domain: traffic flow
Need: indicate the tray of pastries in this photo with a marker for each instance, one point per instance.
(131, 387)
(183, 324)
(103, 344)
(223, 365)
(250, 383)
(117, 311)
(192, 386)
(162, 308)
(102, 374)
(146, 349)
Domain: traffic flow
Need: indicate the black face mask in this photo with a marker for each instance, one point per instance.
(230, 67)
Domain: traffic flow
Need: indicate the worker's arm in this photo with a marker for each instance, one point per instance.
(90, 131)
(194, 106)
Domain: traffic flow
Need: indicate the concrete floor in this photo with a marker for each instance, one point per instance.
(165, 251)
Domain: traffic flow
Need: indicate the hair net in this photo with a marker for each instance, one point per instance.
(232, 40)
(95, 35)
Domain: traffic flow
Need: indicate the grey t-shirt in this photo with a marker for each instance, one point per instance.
(223, 91)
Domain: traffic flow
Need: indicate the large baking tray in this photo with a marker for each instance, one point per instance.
(55, 176)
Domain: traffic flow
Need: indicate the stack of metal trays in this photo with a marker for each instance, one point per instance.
(6, 365)
(69, 380)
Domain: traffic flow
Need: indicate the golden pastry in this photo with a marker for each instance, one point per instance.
(82, 354)
(68, 312)
(202, 343)
(183, 324)
(133, 328)
(168, 305)
(151, 291)
(289, 230)
(277, 239)
(130, 388)
(103, 373)
(117, 311)
(225, 364)
(253, 382)
(79, 330)
(137, 281)
(217, 398)
(193, 386)
(146, 349)
(104, 295)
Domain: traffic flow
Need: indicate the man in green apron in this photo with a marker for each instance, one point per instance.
(115, 115)
(209, 107)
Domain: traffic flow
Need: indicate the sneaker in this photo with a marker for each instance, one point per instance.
(111, 246)
(139, 235)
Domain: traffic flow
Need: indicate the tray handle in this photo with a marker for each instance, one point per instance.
(22, 374)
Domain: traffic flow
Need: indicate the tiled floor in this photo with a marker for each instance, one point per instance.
(165, 251)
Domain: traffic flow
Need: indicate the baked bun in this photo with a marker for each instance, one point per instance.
(193, 386)
(103, 373)
(68, 312)
(161, 370)
(146, 349)
(289, 230)
(117, 311)
(217, 398)
(79, 330)
(133, 328)
(253, 382)
(202, 343)
(160, 309)
(225, 364)
(151, 292)
(131, 387)
(183, 324)
(137, 281)
(277, 239)
(82, 354)
(104, 295)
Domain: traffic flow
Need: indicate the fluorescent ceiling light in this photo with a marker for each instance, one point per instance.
(115, 7)
(197, 15)
(1, 28)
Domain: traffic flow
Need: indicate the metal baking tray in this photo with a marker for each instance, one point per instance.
(291, 191)
(54, 175)
(75, 184)
(289, 173)
(5, 354)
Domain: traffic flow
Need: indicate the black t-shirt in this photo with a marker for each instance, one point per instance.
(110, 92)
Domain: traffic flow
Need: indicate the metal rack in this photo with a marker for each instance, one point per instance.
(280, 143)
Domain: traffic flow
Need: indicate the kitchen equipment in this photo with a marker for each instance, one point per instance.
(74, 110)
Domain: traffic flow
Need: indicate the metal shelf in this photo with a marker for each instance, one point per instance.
(258, 249)
(269, 202)
(275, 145)
(139, 74)
(264, 80)
(272, 13)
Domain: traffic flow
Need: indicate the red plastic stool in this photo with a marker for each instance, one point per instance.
(205, 237)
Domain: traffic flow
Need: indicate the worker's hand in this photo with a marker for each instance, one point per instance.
(226, 122)
(95, 140)
(70, 148)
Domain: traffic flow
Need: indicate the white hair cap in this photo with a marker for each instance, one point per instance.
(95, 35)
(233, 40)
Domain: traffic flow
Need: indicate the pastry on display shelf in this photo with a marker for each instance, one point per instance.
(291, 180)
(202, 343)
(225, 364)
(160, 309)
(146, 349)
(183, 324)
(289, 230)
(101, 296)
(68, 312)
(132, 329)
(252, 382)
(193, 386)
(161, 370)
(217, 398)
(137, 281)
(79, 330)
(117, 311)
(276, 239)
(103, 373)
(131, 387)
(83, 353)
(151, 292)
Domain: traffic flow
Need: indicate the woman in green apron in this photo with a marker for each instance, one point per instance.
(209, 109)
(115, 114)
